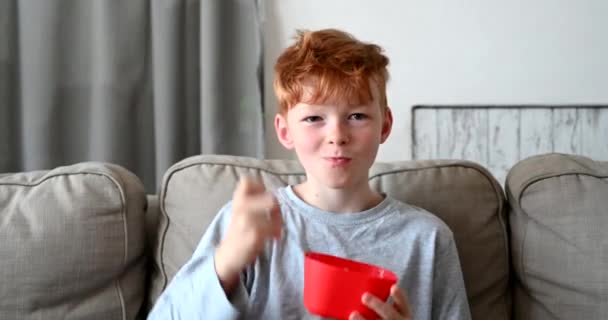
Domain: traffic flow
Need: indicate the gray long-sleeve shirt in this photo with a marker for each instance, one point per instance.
(416, 245)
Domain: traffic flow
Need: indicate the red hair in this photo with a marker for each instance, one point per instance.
(339, 68)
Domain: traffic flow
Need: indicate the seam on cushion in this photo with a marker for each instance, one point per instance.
(534, 180)
(117, 185)
(115, 182)
(511, 210)
(204, 160)
(501, 199)
(125, 241)
(54, 175)
(522, 249)
(161, 244)
(121, 299)
(555, 173)
(529, 184)
(237, 166)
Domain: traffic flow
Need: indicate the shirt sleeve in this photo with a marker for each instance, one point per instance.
(449, 293)
(195, 292)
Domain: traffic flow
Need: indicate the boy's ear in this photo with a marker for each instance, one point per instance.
(387, 125)
(280, 126)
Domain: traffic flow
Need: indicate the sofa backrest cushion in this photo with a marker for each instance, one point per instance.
(71, 243)
(461, 193)
(559, 242)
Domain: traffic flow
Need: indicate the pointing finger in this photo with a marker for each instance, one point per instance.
(249, 185)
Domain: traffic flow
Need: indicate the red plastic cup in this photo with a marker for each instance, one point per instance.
(333, 286)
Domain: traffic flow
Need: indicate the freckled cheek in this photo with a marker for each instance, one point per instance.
(308, 142)
(309, 145)
(368, 137)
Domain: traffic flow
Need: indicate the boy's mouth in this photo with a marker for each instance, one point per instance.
(338, 161)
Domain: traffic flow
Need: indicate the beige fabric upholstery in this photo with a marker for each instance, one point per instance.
(463, 194)
(559, 241)
(71, 243)
(152, 243)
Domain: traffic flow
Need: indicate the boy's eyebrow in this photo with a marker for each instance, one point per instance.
(320, 107)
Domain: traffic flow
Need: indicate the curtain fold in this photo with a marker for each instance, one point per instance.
(140, 83)
(232, 64)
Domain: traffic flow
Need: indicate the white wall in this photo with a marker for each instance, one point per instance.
(459, 52)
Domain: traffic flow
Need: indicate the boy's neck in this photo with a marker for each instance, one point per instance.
(350, 200)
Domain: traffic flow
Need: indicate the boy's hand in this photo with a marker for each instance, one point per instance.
(256, 218)
(399, 309)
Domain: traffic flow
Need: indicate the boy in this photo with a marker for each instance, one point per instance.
(250, 262)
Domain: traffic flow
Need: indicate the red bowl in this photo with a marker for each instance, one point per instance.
(333, 286)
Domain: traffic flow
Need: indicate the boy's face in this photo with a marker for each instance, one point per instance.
(336, 144)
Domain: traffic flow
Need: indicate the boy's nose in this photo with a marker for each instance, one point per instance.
(338, 135)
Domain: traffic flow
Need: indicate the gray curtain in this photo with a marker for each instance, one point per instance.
(140, 83)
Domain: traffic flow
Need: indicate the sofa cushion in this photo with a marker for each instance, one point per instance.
(559, 241)
(71, 243)
(461, 193)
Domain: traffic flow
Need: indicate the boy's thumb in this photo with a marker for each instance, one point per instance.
(250, 185)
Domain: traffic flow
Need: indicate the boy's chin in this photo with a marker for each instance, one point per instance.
(337, 185)
(338, 182)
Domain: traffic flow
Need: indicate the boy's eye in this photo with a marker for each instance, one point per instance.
(312, 119)
(357, 116)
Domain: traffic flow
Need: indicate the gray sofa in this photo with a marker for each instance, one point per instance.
(86, 242)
